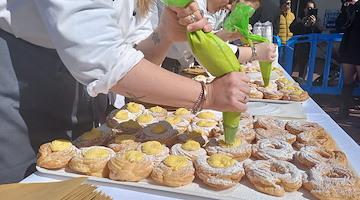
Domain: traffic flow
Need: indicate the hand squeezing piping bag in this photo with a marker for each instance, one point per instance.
(239, 20)
(217, 57)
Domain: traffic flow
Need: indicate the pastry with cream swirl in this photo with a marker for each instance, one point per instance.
(158, 112)
(92, 161)
(94, 137)
(160, 131)
(312, 155)
(273, 148)
(155, 150)
(56, 154)
(118, 116)
(173, 171)
(190, 149)
(219, 170)
(197, 135)
(130, 166)
(122, 143)
(239, 150)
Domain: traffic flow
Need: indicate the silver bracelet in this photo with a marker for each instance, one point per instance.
(253, 53)
(201, 99)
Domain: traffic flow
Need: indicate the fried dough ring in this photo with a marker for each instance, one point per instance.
(274, 177)
(332, 181)
(239, 153)
(54, 159)
(312, 155)
(315, 137)
(298, 126)
(273, 148)
(275, 134)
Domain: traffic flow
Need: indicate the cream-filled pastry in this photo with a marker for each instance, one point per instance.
(207, 115)
(158, 112)
(173, 171)
(145, 119)
(155, 150)
(219, 170)
(273, 148)
(122, 143)
(56, 154)
(197, 135)
(178, 123)
(239, 150)
(94, 137)
(205, 125)
(130, 127)
(92, 161)
(118, 116)
(190, 149)
(134, 108)
(182, 113)
(160, 131)
(130, 166)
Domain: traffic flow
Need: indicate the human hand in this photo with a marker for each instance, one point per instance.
(265, 52)
(312, 19)
(228, 93)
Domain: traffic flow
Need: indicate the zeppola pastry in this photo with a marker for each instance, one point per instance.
(155, 150)
(179, 123)
(312, 155)
(205, 125)
(158, 112)
(130, 127)
(95, 137)
(130, 166)
(296, 126)
(206, 115)
(122, 143)
(273, 148)
(190, 149)
(182, 113)
(332, 181)
(173, 171)
(274, 177)
(160, 131)
(275, 134)
(92, 161)
(56, 154)
(315, 137)
(247, 134)
(219, 170)
(197, 135)
(268, 122)
(145, 119)
(239, 150)
(134, 108)
(117, 116)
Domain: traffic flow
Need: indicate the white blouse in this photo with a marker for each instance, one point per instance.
(94, 38)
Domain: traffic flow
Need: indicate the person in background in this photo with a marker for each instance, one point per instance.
(267, 11)
(348, 22)
(306, 23)
(44, 45)
(286, 18)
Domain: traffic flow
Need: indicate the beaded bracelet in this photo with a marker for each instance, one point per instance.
(201, 100)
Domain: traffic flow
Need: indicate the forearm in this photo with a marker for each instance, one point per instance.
(245, 54)
(150, 83)
(158, 41)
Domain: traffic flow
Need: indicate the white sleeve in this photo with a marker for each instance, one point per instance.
(90, 40)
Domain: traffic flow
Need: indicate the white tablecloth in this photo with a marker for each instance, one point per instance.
(314, 113)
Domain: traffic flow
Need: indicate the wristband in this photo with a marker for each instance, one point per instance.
(253, 53)
(201, 99)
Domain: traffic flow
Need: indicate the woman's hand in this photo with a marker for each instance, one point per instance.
(173, 20)
(265, 52)
(228, 93)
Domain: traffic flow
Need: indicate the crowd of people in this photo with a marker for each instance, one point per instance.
(61, 60)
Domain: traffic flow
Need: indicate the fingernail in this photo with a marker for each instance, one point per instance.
(190, 28)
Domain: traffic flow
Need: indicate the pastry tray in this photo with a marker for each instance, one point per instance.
(242, 191)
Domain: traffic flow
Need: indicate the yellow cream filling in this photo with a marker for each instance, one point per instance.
(96, 153)
(206, 115)
(191, 145)
(175, 162)
(91, 135)
(156, 109)
(220, 161)
(60, 145)
(204, 123)
(159, 128)
(181, 111)
(152, 147)
(130, 124)
(296, 92)
(133, 107)
(124, 138)
(236, 143)
(200, 77)
(122, 115)
(196, 133)
(289, 88)
(173, 120)
(134, 156)
(283, 80)
(144, 118)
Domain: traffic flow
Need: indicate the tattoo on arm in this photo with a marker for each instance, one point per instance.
(156, 38)
(132, 97)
